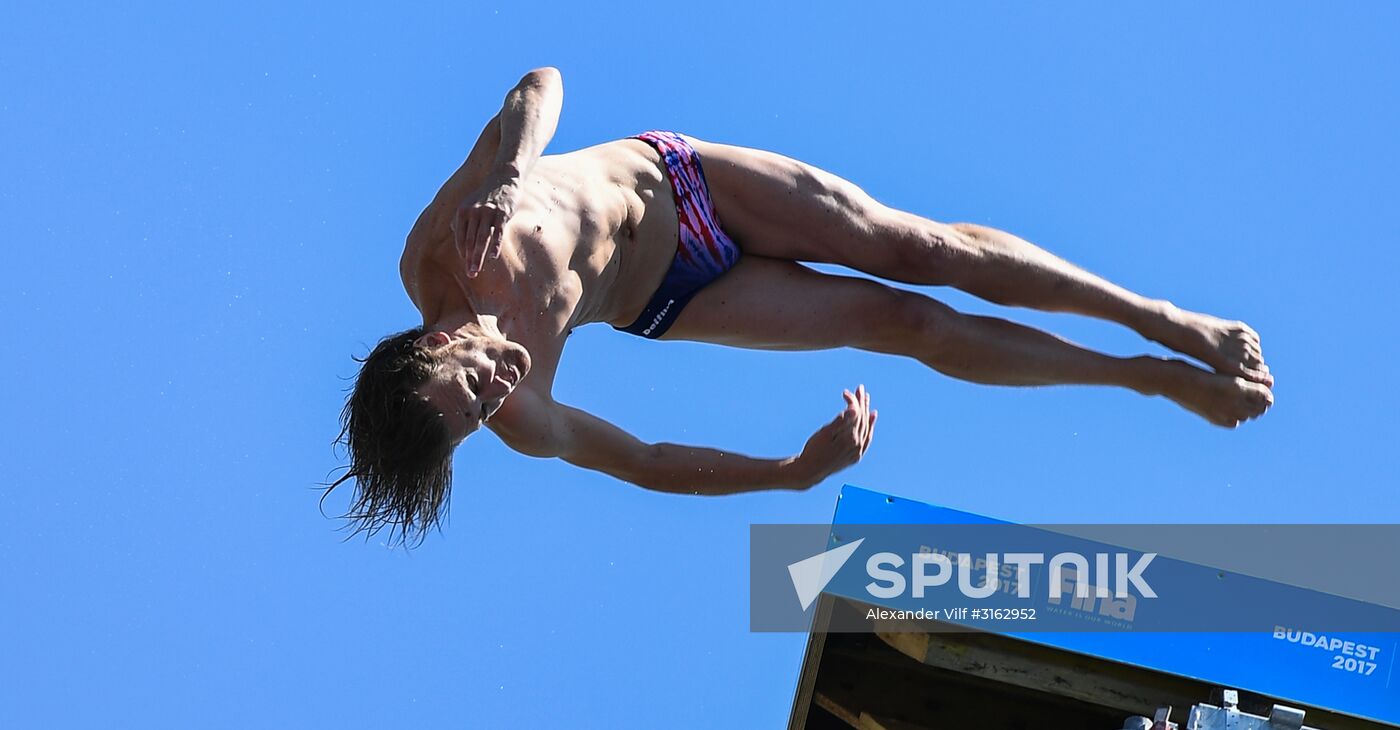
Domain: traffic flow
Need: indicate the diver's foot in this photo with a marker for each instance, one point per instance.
(1231, 347)
(1224, 400)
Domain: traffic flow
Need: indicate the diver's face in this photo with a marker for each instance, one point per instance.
(477, 371)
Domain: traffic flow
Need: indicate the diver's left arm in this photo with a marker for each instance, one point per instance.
(583, 439)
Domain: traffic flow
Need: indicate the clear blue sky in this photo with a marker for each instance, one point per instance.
(203, 208)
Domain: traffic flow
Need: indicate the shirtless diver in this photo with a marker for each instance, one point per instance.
(519, 248)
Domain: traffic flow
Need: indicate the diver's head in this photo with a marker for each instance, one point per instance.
(476, 367)
(418, 394)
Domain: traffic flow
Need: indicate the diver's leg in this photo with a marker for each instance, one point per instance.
(780, 305)
(782, 208)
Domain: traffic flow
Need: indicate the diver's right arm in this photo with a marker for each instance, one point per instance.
(523, 128)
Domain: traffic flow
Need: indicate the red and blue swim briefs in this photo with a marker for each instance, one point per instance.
(703, 251)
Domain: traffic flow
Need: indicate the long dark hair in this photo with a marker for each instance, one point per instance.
(400, 450)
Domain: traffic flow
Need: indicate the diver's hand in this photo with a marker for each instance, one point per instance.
(480, 221)
(841, 442)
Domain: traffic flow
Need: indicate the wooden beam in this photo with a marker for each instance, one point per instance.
(830, 705)
(1133, 690)
(870, 722)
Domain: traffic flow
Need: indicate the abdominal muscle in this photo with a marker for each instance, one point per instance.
(604, 215)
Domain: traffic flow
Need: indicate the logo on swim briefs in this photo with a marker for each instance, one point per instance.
(659, 316)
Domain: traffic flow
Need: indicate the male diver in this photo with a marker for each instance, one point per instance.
(670, 237)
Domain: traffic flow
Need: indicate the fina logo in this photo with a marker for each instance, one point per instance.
(659, 316)
(811, 575)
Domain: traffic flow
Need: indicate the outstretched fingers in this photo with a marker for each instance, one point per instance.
(868, 421)
(842, 441)
(858, 419)
(466, 238)
(870, 433)
(481, 244)
(477, 232)
(497, 232)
